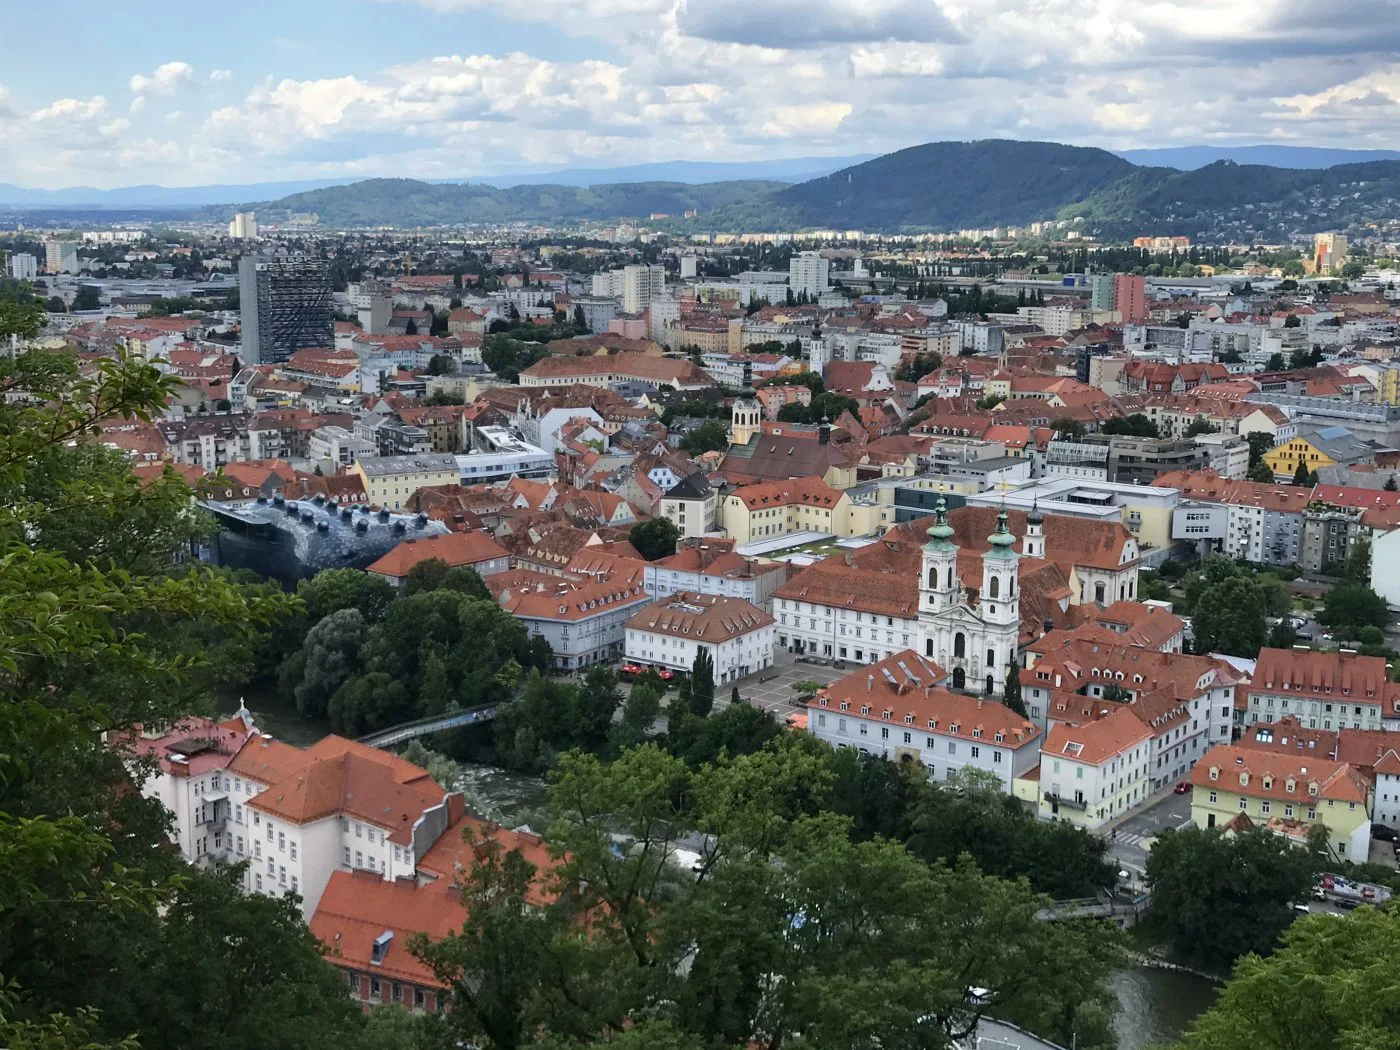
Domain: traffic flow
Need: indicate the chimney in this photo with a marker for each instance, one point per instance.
(869, 683)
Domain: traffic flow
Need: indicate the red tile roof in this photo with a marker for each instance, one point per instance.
(456, 548)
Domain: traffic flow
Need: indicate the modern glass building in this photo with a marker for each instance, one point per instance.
(285, 305)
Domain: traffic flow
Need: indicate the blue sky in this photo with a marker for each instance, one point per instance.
(110, 94)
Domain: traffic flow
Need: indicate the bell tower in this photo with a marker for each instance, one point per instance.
(744, 418)
(1033, 545)
(939, 585)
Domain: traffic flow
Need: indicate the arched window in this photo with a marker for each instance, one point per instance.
(991, 658)
(1099, 593)
(932, 579)
(959, 643)
(928, 648)
(994, 588)
(950, 576)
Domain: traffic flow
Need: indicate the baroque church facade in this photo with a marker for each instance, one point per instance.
(974, 637)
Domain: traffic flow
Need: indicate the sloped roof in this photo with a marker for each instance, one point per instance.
(454, 548)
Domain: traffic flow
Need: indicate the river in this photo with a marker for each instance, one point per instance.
(1157, 1006)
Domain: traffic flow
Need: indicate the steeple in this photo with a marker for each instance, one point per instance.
(939, 585)
(999, 599)
(1033, 546)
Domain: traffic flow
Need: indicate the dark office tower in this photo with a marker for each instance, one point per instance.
(285, 306)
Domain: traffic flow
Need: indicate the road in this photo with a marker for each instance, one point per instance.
(776, 694)
(1131, 840)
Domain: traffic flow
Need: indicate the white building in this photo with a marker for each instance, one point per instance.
(639, 285)
(585, 624)
(688, 266)
(809, 272)
(1093, 772)
(501, 455)
(712, 568)
(23, 266)
(295, 816)
(244, 226)
(671, 631)
(897, 709)
(336, 445)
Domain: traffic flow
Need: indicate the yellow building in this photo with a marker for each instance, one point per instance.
(781, 508)
(391, 481)
(1286, 792)
(1317, 449)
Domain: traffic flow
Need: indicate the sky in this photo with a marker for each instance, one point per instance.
(107, 95)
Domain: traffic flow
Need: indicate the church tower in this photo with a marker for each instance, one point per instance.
(939, 585)
(1000, 604)
(1033, 546)
(744, 418)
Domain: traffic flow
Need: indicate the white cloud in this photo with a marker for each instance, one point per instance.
(220, 74)
(71, 109)
(167, 77)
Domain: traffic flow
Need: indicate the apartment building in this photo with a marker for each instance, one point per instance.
(1323, 690)
(781, 508)
(899, 710)
(391, 481)
(1095, 771)
(671, 631)
(711, 567)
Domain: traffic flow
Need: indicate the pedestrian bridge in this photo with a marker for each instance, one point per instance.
(406, 731)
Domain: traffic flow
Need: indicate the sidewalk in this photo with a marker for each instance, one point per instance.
(1160, 795)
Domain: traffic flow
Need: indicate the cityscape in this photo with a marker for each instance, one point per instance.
(535, 549)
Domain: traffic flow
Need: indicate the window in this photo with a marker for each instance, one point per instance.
(259, 883)
(294, 851)
(347, 856)
(976, 752)
(359, 859)
(1244, 803)
(282, 842)
(1264, 806)
(359, 830)
(960, 644)
(418, 998)
(1214, 797)
(398, 992)
(996, 756)
(374, 987)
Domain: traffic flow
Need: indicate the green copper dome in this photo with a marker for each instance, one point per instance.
(1001, 540)
(940, 532)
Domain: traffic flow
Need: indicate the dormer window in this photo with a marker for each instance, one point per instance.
(845, 705)
(865, 709)
(1268, 783)
(1214, 772)
(1290, 785)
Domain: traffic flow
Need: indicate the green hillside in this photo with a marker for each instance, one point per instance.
(941, 186)
(407, 202)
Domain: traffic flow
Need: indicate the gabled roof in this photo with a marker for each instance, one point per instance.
(454, 548)
(1266, 774)
(1097, 741)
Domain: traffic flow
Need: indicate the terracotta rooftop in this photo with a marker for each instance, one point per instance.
(1098, 741)
(454, 548)
(1270, 774)
(705, 618)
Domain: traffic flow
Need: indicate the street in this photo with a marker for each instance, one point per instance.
(776, 694)
(1131, 839)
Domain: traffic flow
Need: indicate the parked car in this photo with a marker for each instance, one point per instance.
(1183, 787)
(1385, 834)
(665, 674)
(630, 669)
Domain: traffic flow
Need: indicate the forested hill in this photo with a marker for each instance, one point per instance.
(941, 186)
(407, 202)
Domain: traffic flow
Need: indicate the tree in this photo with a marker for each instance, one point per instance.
(427, 575)
(1302, 476)
(1350, 606)
(438, 328)
(1391, 485)
(709, 436)
(1275, 363)
(580, 321)
(1358, 563)
(329, 657)
(1011, 695)
(1336, 964)
(806, 689)
(1135, 425)
(1200, 426)
(54, 304)
(87, 298)
(1292, 321)
(986, 404)
(654, 538)
(1262, 473)
(1228, 617)
(1216, 897)
(1067, 427)
(1259, 442)
(702, 683)
(441, 365)
(410, 327)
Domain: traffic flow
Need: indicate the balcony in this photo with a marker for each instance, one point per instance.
(1065, 803)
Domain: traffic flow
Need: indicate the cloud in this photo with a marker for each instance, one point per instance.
(805, 23)
(71, 109)
(220, 74)
(167, 77)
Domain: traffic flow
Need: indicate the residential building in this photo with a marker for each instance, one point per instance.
(690, 504)
(1130, 298)
(499, 455)
(1315, 449)
(23, 266)
(1262, 523)
(60, 256)
(585, 621)
(472, 550)
(640, 285)
(809, 272)
(1289, 794)
(605, 371)
(244, 226)
(294, 816)
(710, 566)
(780, 508)
(391, 481)
(671, 631)
(1095, 771)
(1323, 690)
(286, 306)
(1329, 252)
(899, 710)
(336, 445)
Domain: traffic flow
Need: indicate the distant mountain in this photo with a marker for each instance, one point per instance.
(1228, 201)
(693, 172)
(153, 197)
(1189, 158)
(407, 202)
(940, 186)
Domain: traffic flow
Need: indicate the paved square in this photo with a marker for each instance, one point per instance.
(776, 695)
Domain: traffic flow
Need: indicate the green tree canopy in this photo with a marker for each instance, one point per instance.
(1135, 425)
(654, 538)
(710, 436)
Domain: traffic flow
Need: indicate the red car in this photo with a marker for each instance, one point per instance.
(631, 669)
(1183, 787)
(665, 674)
